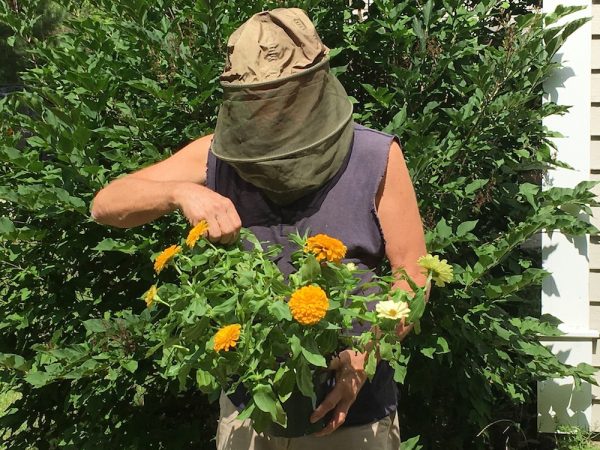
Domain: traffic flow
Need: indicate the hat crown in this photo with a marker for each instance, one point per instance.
(271, 45)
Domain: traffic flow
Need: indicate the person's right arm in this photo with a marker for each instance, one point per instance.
(175, 183)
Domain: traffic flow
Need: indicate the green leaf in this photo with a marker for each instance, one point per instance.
(246, 412)
(418, 30)
(95, 325)
(13, 361)
(110, 245)
(411, 444)
(280, 310)
(205, 381)
(428, 351)
(385, 350)
(474, 186)
(7, 227)
(442, 229)
(465, 227)
(417, 307)
(399, 372)
(38, 379)
(310, 269)
(286, 384)
(295, 346)
(304, 381)
(371, 365)
(130, 366)
(529, 191)
(314, 358)
(442, 345)
(265, 400)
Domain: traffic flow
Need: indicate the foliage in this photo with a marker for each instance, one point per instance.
(237, 296)
(574, 438)
(35, 20)
(127, 83)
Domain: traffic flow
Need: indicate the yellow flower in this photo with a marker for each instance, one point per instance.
(325, 248)
(196, 233)
(351, 266)
(389, 309)
(227, 337)
(149, 296)
(308, 305)
(441, 271)
(161, 260)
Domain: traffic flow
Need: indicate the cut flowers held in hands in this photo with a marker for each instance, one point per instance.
(228, 319)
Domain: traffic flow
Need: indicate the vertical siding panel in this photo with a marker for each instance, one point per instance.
(596, 88)
(595, 151)
(595, 295)
(594, 249)
(595, 122)
(596, 19)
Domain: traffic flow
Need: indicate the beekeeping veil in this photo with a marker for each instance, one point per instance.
(285, 124)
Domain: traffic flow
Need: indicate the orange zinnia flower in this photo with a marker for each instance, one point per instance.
(308, 305)
(196, 233)
(167, 254)
(325, 248)
(227, 337)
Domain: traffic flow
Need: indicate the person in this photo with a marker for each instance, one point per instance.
(286, 156)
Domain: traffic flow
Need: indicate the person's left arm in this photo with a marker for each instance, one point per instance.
(402, 228)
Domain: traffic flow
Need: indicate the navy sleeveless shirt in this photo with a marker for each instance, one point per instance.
(343, 208)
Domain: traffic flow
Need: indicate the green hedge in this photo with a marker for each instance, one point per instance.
(125, 84)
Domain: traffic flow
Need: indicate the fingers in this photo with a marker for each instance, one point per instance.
(199, 203)
(235, 221)
(350, 377)
(403, 329)
(223, 221)
(338, 401)
(230, 224)
(214, 229)
(338, 419)
(329, 403)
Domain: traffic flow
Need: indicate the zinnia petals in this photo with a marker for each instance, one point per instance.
(389, 309)
(167, 254)
(227, 337)
(325, 248)
(149, 296)
(441, 271)
(196, 233)
(308, 305)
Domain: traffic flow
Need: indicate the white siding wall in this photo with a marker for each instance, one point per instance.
(565, 294)
(594, 254)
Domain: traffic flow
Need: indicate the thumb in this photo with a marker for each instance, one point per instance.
(334, 364)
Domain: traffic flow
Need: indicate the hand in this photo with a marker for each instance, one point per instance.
(402, 329)
(198, 203)
(350, 377)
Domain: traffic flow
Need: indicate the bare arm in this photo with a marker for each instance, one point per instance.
(175, 183)
(401, 224)
(400, 219)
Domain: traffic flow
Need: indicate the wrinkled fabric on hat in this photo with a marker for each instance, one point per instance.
(285, 123)
(272, 44)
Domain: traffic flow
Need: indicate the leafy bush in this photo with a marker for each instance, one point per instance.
(127, 83)
(36, 21)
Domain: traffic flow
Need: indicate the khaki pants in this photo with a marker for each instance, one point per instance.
(234, 434)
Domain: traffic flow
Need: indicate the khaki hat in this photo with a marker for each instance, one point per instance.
(271, 45)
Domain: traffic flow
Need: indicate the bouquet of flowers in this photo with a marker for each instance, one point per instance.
(230, 320)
